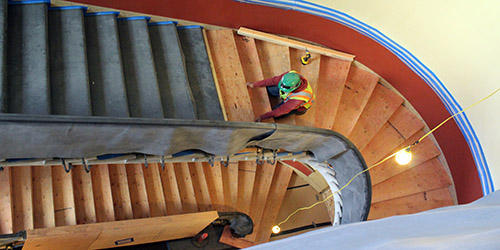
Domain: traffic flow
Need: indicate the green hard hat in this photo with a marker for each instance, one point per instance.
(289, 82)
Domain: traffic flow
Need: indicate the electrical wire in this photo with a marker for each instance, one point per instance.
(386, 158)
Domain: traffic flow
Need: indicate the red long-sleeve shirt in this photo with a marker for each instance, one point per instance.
(288, 105)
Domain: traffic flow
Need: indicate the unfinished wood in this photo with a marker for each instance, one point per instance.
(22, 204)
(421, 152)
(5, 202)
(200, 186)
(228, 239)
(427, 176)
(103, 197)
(263, 179)
(381, 106)
(273, 203)
(43, 198)
(137, 189)
(246, 180)
(120, 192)
(274, 60)
(296, 181)
(64, 203)
(230, 185)
(411, 204)
(249, 59)
(213, 175)
(186, 189)
(302, 197)
(357, 90)
(294, 44)
(104, 235)
(154, 189)
(331, 80)
(406, 122)
(230, 75)
(311, 73)
(83, 194)
(171, 190)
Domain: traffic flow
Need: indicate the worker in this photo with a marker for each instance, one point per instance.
(294, 91)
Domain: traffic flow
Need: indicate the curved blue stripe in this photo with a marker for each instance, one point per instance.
(147, 18)
(411, 61)
(163, 23)
(190, 27)
(69, 8)
(29, 2)
(116, 13)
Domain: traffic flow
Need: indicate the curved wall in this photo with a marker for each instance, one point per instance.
(368, 51)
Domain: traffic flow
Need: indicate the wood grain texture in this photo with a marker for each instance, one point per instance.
(103, 197)
(43, 198)
(64, 202)
(231, 79)
(406, 122)
(427, 176)
(154, 190)
(22, 202)
(246, 180)
(186, 189)
(200, 186)
(213, 175)
(331, 81)
(381, 106)
(171, 190)
(357, 91)
(5, 201)
(230, 184)
(84, 198)
(137, 189)
(120, 191)
(411, 204)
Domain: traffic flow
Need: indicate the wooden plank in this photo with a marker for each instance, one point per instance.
(406, 122)
(5, 201)
(186, 189)
(421, 152)
(22, 204)
(137, 189)
(231, 78)
(43, 198)
(427, 176)
(156, 198)
(357, 90)
(263, 179)
(200, 186)
(120, 192)
(171, 190)
(296, 181)
(411, 204)
(273, 202)
(228, 239)
(230, 186)
(311, 73)
(104, 235)
(103, 198)
(83, 194)
(381, 106)
(331, 81)
(246, 180)
(250, 62)
(213, 175)
(64, 202)
(302, 197)
(294, 44)
(275, 60)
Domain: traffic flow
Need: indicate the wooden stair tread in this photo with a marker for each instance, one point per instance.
(200, 186)
(43, 203)
(230, 185)
(171, 190)
(103, 198)
(84, 199)
(412, 203)
(246, 181)
(5, 201)
(22, 204)
(120, 192)
(186, 189)
(215, 186)
(137, 189)
(154, 189)
(427, 176)
(64, 204)
(406, 122)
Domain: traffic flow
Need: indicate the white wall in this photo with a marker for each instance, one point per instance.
(459, 40)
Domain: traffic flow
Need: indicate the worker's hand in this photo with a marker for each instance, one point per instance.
(250, 84)
(258, 119)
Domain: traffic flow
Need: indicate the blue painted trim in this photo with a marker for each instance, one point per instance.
(135, 18)
(29, 2)
(410, 60)
(190, 27)
(69, 8)
(163, 23)
(116, 13)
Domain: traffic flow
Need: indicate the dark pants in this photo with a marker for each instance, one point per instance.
(275, 92)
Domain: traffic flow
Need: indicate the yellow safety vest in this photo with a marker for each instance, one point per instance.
(305, 95)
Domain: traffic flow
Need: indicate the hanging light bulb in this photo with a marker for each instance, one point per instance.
(276, 229)
(403, 157)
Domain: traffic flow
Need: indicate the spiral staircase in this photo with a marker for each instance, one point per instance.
(73, 47)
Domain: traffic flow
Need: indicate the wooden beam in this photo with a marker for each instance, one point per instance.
(64, 202)
(171, 189)
(22, 204)
(120, 192)
(156, 198)
(84, 198)
(200, 186)
(230, 185)
(5, 201)
(246, 180)
(128, 232)
(103, 198)
(186, 189)
(215, 186)
(294, 44)
(43, 198)
(137, 188)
